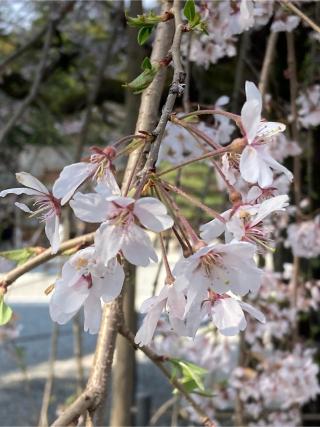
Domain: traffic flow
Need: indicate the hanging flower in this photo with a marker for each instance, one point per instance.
(121, 219)
(85, 282)
(47, 207)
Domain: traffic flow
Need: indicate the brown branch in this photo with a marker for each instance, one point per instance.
(158, 361)
(45, 256)
(301, 15)
(267, 61)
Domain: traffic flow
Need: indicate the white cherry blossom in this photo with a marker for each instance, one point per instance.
(170, 299)
(98, 168)
(121, 219)
(85, 282)
(256, 163)
(47, 207)
(220, 268)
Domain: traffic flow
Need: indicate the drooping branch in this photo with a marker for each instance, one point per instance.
(158, 361)
(267, 61)
(301, 15)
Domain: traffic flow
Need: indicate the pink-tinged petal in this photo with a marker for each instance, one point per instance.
(236, 227)
(253, 311)
(269, 129)
(19, 191)
(52, 232)
(90, 207)
(197, 290)
(92, 314)
(56, 313)
(69, 299)
(137, 247)
(108, 241)
(249, 164)
(228, 317)
(250, 119)
(152, 214)
(69, 274)
(213, 229)
(23, 207)
(271, 162)
(112, 283)
(277, 203)
(176, 302)
(121, 200)
(107, 185)
(253, 93)
(30, 181)
(145, 333)
(70, 179)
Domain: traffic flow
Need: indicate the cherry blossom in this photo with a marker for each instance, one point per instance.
(74, 175)
(120, 228)
(256, 163)
(47, 207)
(170, 299)
(245, 223)
(225, 312)
(220, 268)
(85, 282)
(304, 238)
(308, 106)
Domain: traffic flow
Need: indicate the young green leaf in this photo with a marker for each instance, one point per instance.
(20, 256)
(5, 312)
(146, 64)
(143, 34)
(143, 80)
(189, 10)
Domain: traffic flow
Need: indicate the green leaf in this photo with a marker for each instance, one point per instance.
(189, 10)
(20, 256)
(146, 64)
(5, 312)
(143, 80)
(143, 34)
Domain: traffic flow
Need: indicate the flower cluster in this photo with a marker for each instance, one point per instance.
(210, 279)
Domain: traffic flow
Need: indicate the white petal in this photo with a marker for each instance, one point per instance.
(145, 333)
(90, 207)
(23, 207)
(249, 164)
(52, 232)
(31, 182)
(92, 314)
(107, 185)
(108, 241)
(271, 205)
(112, 282)
(70, 179)
(253, 311)
(253, 93)
(176, 302)
(137, 247)
(213, 229)
(228, 317)
(152, 214)
(18, 191)
(250, 119)
(69, 299)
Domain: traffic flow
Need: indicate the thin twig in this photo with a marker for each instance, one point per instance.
(299, 13)
(158, 361)
(267, 61)
(45, 256)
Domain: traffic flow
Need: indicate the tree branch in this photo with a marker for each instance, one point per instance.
(158, 361)
(45, 256)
